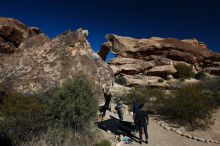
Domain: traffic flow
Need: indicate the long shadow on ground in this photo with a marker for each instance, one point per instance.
(4, 141)
(118, 127)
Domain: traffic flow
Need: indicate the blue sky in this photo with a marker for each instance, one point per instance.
(135, 18)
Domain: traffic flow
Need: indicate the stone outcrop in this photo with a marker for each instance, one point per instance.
(157, 56)
(39, 63)
(104, 50)
(142, 80)
(190, 51)
(12, 34)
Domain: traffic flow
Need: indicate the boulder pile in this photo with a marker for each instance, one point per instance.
(142, 60)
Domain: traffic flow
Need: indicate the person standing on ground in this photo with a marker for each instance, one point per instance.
(106, 106)
(135, 109)
(142, 120)
(119, 108)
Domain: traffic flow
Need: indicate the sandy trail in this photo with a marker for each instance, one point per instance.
(157, 135)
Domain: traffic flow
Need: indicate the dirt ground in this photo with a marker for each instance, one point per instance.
(159, 136)
(213, 132)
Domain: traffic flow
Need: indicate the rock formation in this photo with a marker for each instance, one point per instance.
(32, 62)
(12, 33)
(157, 56)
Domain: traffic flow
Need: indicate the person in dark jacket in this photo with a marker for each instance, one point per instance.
(135, 109)
(142, 120)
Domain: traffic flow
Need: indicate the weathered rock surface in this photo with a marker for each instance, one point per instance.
(157, 56)
(163, 70)
(104, 50)
(143, 80)
(39, 63)
(185, 50)
(129, 65)
(12, 33)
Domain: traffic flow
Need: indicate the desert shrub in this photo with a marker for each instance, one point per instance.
(136, 93)
(145, 95)
(63, 136)
(200, 76)
(183, 71)
(120, 80)
(190, 106)
(104, 142)
(212, 84)
(63, 116)
(160, 80)
(23, 117)
(74, 105)
(214, 58)
(182, 79)
(216, 98)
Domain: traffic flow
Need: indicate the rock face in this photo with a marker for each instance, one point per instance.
(190, 51)
(157, 56)
(39, 63)
(12, 33)
(142, 80)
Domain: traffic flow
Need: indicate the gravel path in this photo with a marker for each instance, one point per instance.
(159, 136)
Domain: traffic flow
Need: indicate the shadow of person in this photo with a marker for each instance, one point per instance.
(118, 127)
(5, 141)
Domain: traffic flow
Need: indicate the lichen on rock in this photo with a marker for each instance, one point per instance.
(39, 63)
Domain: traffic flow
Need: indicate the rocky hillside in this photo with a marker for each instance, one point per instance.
(143, 61)
(30, 61)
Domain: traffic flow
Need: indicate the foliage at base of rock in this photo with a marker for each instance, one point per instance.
(120, 80)
(144, 95)
(23, 118)
(63, 136)
(160, 80)
(74, 105)
(212, 84)
(64, 118)
(190, 105)
(200, 76)
(104, 142)
(183, 71)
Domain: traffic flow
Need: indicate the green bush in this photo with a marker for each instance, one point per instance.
(74, 105)
(200, 76)
(136, 93)
(120, 80)
(104, 142)
(190, 106)
(182, 80)
(160, 80)
(64, 117)
(145, 95)
(183, 71)
(216, 98)
(212, 84)
(23, 118)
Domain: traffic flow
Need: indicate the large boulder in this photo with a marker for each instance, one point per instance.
(12, 33)
(186, 50)
(40, 64)
(129, 65)
(157, 57)
(142, 80)
(156, 66)
(163, 70)
(104, 50)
